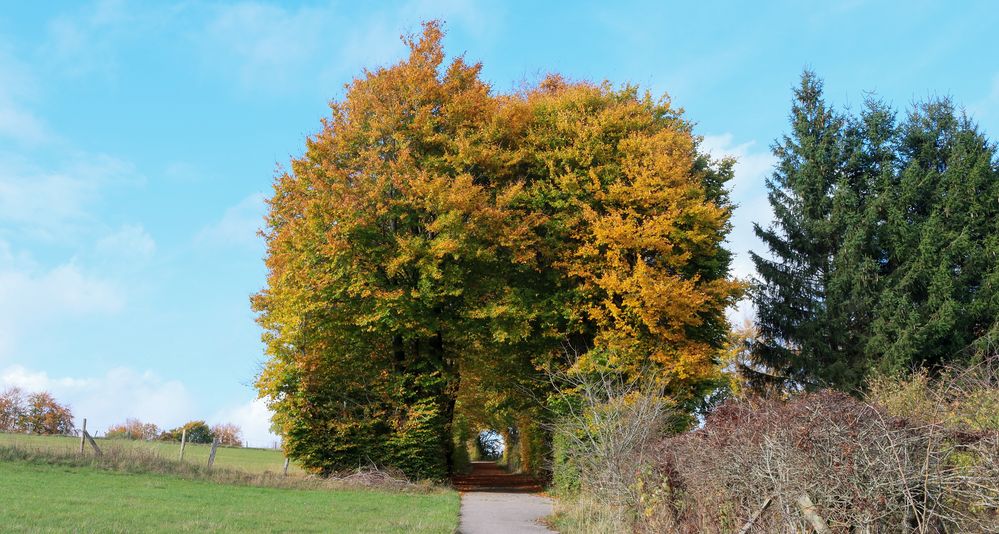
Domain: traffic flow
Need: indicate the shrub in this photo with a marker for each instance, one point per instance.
(43, 415)
(606, 428)
(862, 468)
(197, 432)
(228, 434)
(11, 410)
(958, 399)
(133, 429)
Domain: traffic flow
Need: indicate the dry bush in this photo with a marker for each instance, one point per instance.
(960, 399)
(11, 409)
(865, 471)
(228, 434)
(133, 429)
(605, 429)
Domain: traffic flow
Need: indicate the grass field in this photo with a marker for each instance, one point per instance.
(38, 497)
(47, 486)
(250, 460)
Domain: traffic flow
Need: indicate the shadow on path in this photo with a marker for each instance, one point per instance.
(487, 476)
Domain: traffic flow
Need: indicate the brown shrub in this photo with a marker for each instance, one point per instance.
(43, 415)
(228, 434)
(864, 470)
(133, 429)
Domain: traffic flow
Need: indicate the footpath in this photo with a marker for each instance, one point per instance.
(496, 502)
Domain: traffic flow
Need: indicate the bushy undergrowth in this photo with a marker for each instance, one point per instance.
(131, 460)
(604, 435)
(863, 470)
(919, 454)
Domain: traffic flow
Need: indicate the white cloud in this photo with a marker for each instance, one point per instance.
(53, 204)
(128, 243)
(19, 124)
(749, 193)
(267, 44)
(272, 47)
(82, 42)
(123, 393)
(984, 110)
(254, 419)
(105, 400)
(31, 294)
(239, 224)
(16, 87)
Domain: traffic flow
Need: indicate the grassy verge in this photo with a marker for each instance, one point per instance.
(129, 492)
(246, 459)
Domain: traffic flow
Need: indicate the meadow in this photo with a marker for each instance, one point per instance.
(250, 460)
(141, 487)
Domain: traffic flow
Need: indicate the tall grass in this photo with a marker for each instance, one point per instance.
(125, 459)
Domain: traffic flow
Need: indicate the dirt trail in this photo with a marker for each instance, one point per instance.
(494, 501)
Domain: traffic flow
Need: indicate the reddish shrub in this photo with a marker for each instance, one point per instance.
(862, 468)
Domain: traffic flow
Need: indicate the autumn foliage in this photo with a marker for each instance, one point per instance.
(133, 429)
(439, 246)
(34, 413)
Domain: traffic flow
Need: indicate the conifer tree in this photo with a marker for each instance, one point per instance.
(883, 249)
(798, 341)
(941, 298)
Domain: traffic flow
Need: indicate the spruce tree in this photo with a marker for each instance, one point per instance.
(884, 251)
(801, 339)
(941, 299)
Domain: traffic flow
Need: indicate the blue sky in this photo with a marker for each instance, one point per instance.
(138, 141)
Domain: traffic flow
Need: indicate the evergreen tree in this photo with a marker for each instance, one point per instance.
(800, 340)
(941, 298)
(883, 248)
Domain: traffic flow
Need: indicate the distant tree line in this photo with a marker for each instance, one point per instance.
(227, 434)
(40, 413)
(883, 255)
(33, 413)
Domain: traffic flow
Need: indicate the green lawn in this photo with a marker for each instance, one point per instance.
(251, 460)
(36, 497)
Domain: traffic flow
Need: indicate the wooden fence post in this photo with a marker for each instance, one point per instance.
(97, 450)
(286, 467)
(211, 455)
(183, 442)
(83, 435)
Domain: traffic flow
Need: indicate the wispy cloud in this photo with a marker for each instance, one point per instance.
(130, 243)
(753, 165)
(32, 295)
(83, 42)
(238, 226)
(985, 109)
(52, 203)
(273, 47)
(254, 419)
(118, 394)
(266, 44)
(17, 88)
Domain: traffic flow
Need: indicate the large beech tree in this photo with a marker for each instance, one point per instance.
(438, 246)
